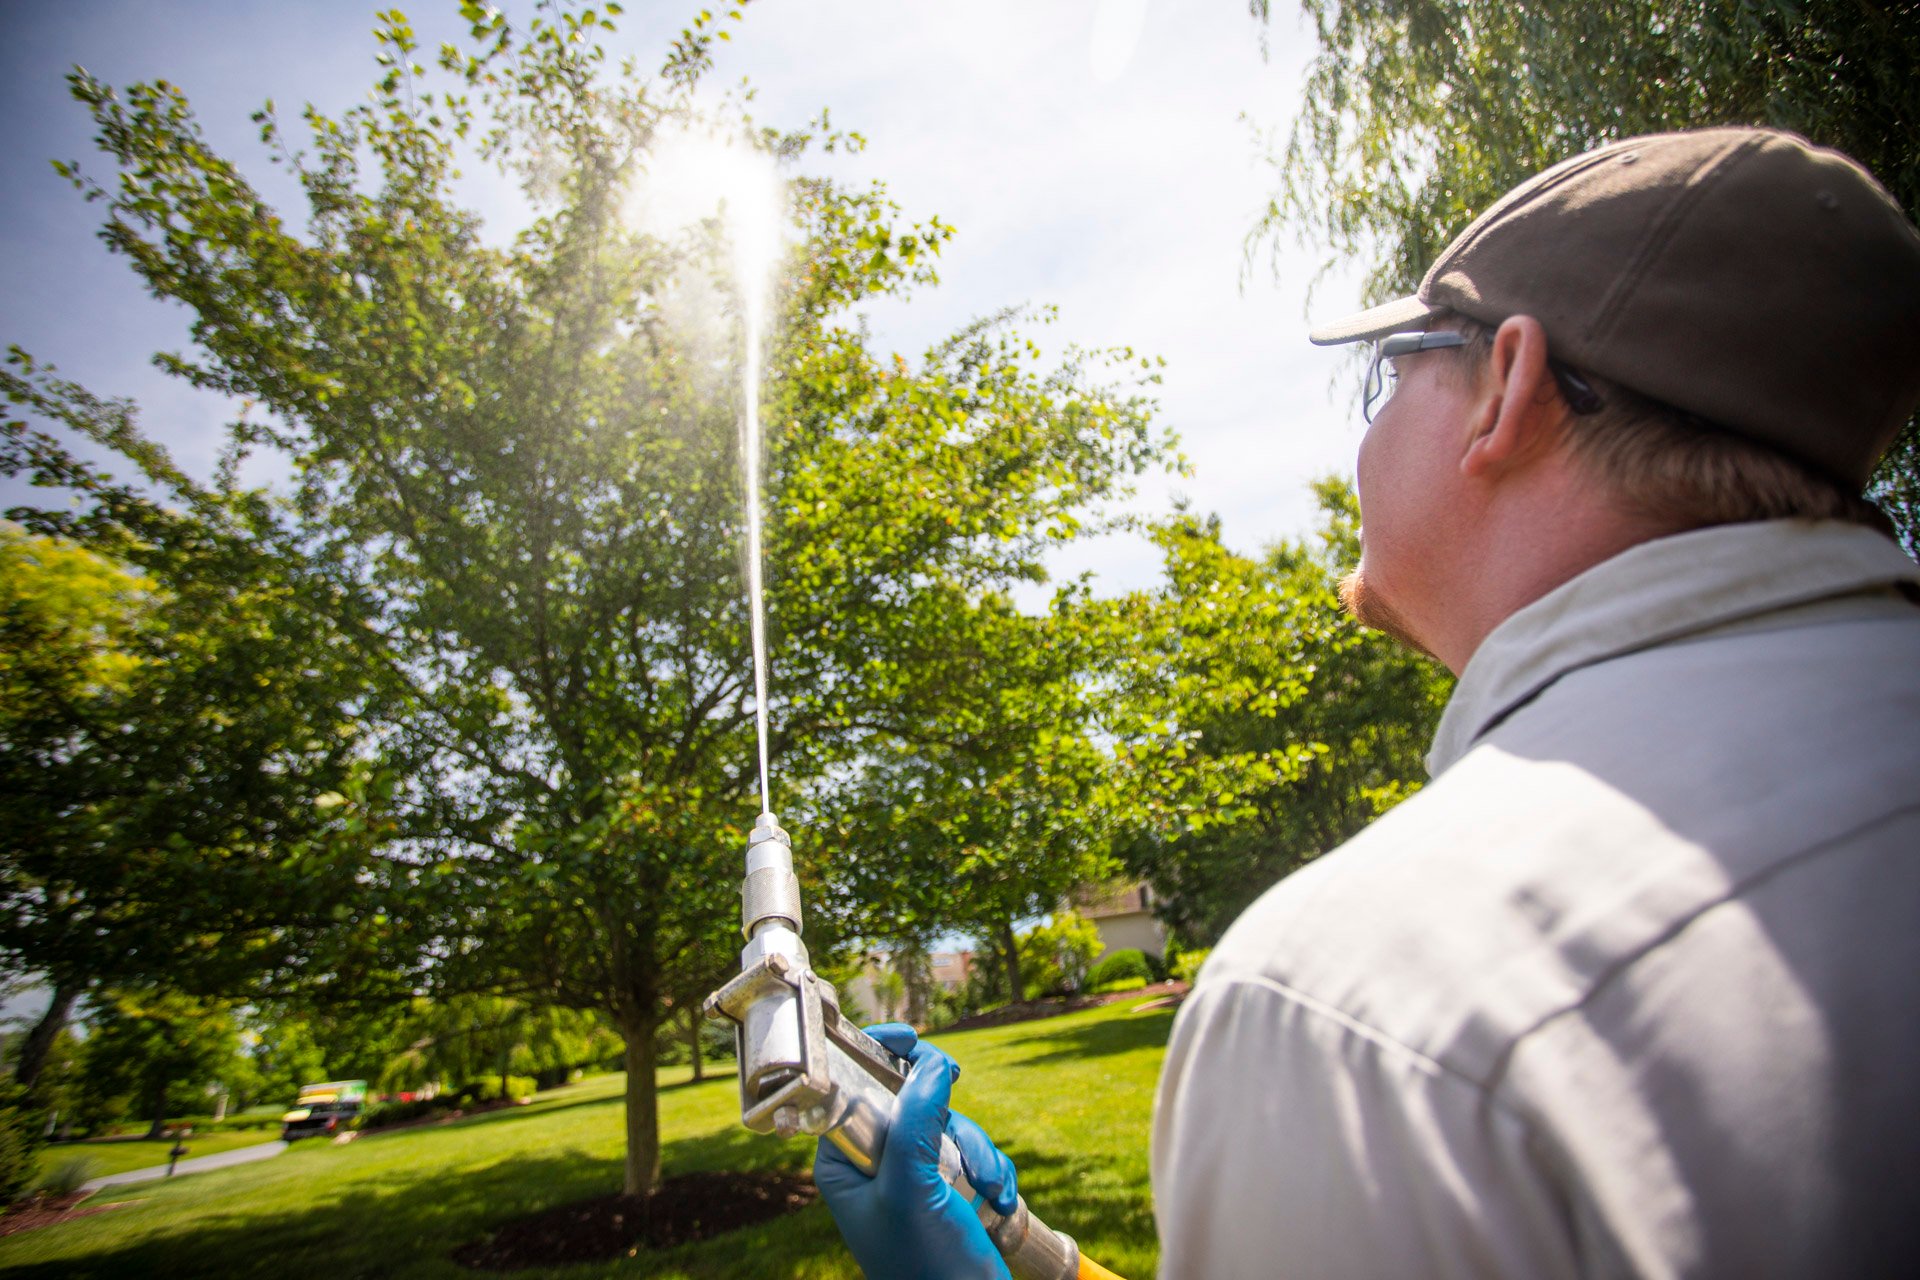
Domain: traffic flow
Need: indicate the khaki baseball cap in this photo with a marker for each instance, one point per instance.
(1745, 275)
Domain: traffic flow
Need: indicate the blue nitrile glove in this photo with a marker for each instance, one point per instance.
(905, 1222)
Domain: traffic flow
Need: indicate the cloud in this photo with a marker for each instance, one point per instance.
(1093, 156)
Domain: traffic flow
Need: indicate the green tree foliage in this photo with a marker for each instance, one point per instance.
(461, 1039)
(1420, 113)
(993, 801)
(19, 1139)
(286, 1055)
(156, 1049)
(514, 488)
(59, 1088)
(174, 744)
(1269, 726)
(1055, 954)
(889, 993)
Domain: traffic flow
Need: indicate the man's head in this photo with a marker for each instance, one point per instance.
(1679, 330)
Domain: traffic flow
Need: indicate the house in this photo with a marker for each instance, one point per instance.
(884, 986)
(1124, 916)
(950, 969)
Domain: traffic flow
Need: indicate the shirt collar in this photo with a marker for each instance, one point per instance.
(1656, 592)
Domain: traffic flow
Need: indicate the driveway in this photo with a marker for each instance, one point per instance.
(199, 1164)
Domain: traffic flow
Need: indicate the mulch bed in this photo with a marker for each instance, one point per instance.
(44, 1212)
(1054, 1006)
(687, 1208)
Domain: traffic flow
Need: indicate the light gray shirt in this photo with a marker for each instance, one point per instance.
(1629, 989)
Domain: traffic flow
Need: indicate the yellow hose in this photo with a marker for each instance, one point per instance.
(1091, 1270)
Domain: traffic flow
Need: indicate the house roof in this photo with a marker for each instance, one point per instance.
(1098, 902)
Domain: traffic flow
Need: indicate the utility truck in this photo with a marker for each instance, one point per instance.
(325, 1109)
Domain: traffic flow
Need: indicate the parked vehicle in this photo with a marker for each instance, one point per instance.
(323, 1110)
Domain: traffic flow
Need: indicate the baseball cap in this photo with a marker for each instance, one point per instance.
(1745, 275)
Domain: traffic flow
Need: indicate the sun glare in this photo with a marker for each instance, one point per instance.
(696, 172)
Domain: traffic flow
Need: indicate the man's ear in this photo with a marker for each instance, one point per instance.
(1519, 413)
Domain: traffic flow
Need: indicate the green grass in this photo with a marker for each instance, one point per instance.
(1069, 1098)
(117, 1155)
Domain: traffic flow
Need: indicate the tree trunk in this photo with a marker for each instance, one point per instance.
(1011, 946)
(159, 1129)
(643, 1118)
(919, 978)
(694, 1019)
(39, 1041)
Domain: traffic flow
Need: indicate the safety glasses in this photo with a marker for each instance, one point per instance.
(1395, 345)
(1574, 389)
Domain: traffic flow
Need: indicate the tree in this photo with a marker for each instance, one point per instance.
(1420, 113)
(171, 735)
(156, 1046)
(465, 1038)
(889, 989)
(286, 1055)
(64, 619)
(512, 488)
(1266, 727)
(1055, 955)
(994, 802)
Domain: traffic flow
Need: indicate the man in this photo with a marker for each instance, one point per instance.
(1626, 990)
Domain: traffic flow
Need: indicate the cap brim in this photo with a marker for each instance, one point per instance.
(1375, 322)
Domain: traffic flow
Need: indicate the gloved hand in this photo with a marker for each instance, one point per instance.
(905, 1222)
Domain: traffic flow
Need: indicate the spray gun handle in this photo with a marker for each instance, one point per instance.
(1032, 1249)
(805, 1068)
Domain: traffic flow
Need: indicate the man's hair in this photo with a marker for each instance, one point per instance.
(1683, 471)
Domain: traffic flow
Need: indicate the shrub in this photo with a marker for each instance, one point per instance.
(1118, 984)
(944, 1007)
(1187, 967)
(670, 1047)
(19, 1137)
(716, 1039)
(1116, 966)
(68, 1176)
(1054, 956)
(487, 1089)
(381, 1114)
(245, 1120)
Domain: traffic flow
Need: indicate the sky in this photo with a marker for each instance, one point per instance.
(1098, 156)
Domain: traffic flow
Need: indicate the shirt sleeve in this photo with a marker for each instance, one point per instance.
(1291, 1141)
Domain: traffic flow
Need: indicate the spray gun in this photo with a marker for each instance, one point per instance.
(806, 1069)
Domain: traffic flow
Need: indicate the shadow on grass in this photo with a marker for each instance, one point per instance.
(536, 1110)
(740, 1150)
(1098, 1039)
(712, 1075)
(408, 1223)
(1085, 1198)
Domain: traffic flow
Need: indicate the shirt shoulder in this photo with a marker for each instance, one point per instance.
(1589, 826)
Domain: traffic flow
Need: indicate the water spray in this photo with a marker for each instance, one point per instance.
(804, 1068)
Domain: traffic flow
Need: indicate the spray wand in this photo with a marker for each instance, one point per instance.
(804, 1068)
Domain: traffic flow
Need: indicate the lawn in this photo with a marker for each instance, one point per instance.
(1069, 1098)
(117, 1155)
